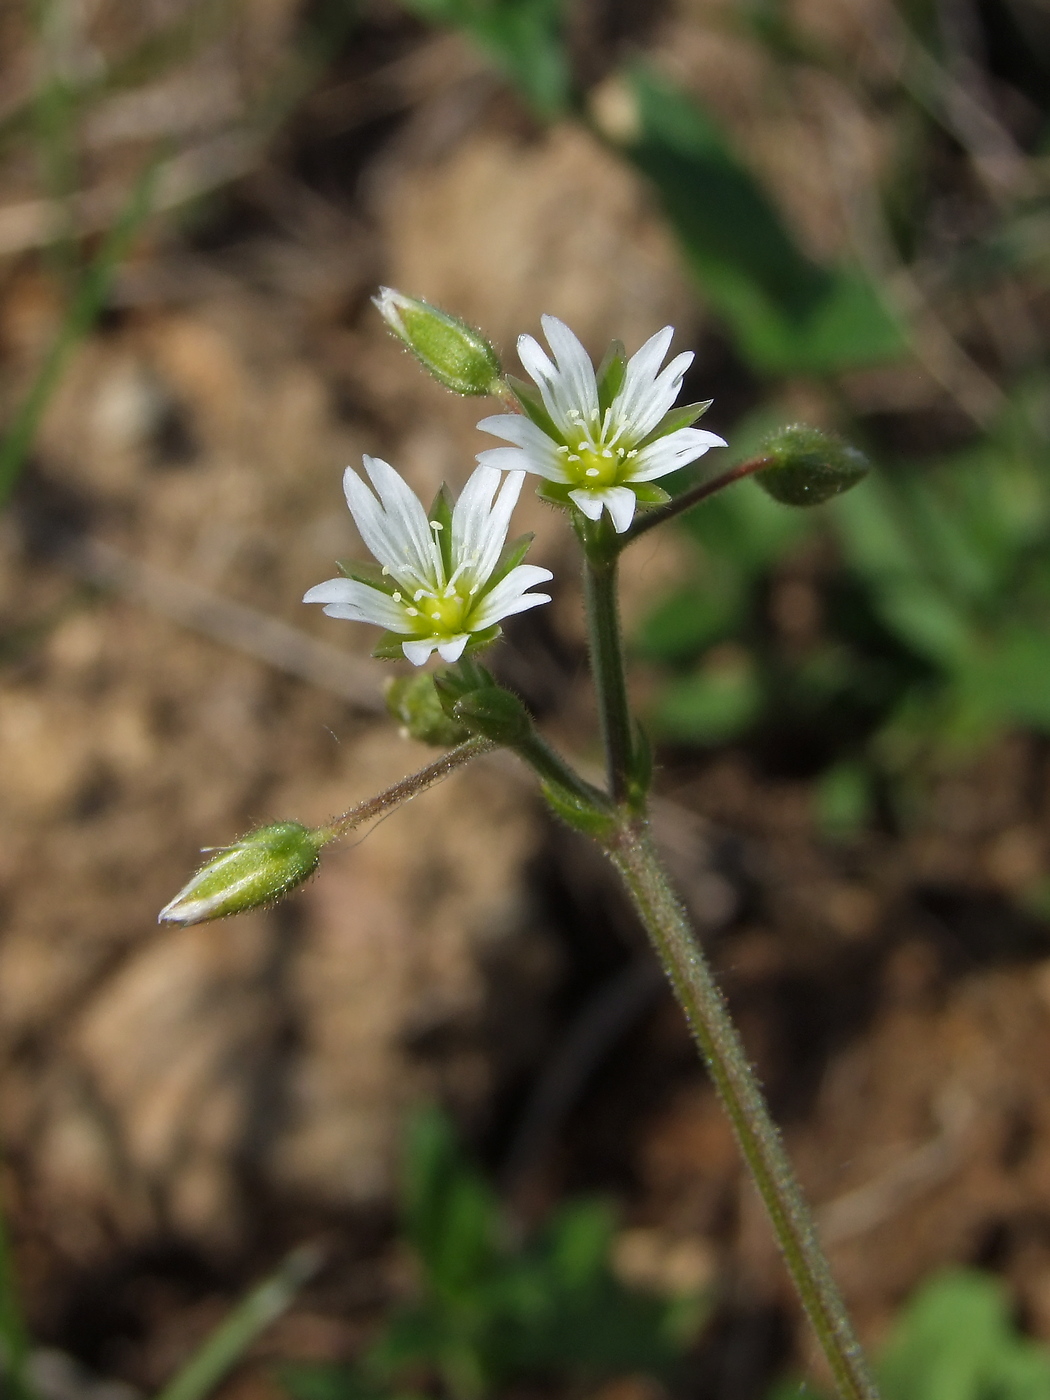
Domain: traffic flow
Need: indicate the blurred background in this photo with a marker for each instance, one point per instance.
(842, 206)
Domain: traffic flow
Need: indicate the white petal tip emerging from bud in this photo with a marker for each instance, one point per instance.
(256, 870)
(456, 354)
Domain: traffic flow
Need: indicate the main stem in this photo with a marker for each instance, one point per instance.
(665, 921)
(610, 680)
(694, 985)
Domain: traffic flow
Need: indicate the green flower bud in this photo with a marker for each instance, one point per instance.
(808, 466)
(454, 353)
(257, 869)
(414, 703)
(494, 714)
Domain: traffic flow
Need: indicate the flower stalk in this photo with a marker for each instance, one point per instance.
(606, 650)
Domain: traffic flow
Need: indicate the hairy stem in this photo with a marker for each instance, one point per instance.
(406, 789)
(694, 985)
(606, 646)
(691, 498)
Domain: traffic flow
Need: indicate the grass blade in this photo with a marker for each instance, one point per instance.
(14, 1339)
(83, 311)
(233, 1336)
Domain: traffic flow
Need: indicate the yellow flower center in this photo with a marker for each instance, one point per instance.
(440, 616)
(596, 467)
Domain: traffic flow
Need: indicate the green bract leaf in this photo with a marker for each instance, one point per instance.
(531, 401)
(684, 416)
(610, 373)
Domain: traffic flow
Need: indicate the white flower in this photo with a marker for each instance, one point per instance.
(599, 443)
(443, 581)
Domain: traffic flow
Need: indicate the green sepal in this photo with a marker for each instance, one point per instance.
(581, 815)
(684, 416)
(254, 871)
(368, 573)
(459, 680)
(532, 405)
(648, 493)
(640, 776)
(478, 641)
(415, 703)
(556, 493)
(610, 374)
(388, 648)
(440, 513)
(511, 557)
(495, 714)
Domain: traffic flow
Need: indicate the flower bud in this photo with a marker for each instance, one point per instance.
(414, 703)
(255, 870)
(494, 714)
(807, 466)
(454, 353)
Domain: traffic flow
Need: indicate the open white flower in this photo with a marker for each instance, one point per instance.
(445, 581)
(599, 439)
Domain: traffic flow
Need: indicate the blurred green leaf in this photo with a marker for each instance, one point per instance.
(522, 37)
(844, 799)
(714, 704)
(788, 314)
(956, 1341)
(490, 1313)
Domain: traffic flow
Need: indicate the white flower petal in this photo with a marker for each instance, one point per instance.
(452, 650)
(493, 533)
(419, 653)
(669, 453)
(399, 538)
(471, 515)
(590, 502)
(620, 502)
(507, 596)
(516, 459)
(406, 516)
(544, 373)
(356, 602)
(575, 385)
(642, 368)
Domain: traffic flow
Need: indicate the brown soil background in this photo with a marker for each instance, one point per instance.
(179, 1107)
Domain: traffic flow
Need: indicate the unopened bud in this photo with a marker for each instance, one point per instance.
(414, 703)
(454, 353)
(257, 869)
(494, 714)
(807, 466)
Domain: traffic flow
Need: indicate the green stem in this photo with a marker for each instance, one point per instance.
(606, 646)
(694, 985)
(404, 790)
(688, 499)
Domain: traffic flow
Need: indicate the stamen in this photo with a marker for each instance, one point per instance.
(592, 471)
(385, 569)
(419, 593)
(436, 525)
(411, 612)
(573, 457)
(398, 598)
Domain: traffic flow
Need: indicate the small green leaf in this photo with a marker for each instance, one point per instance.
(531, 401)
(389, 647)
(368, 572)
(684, 416)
